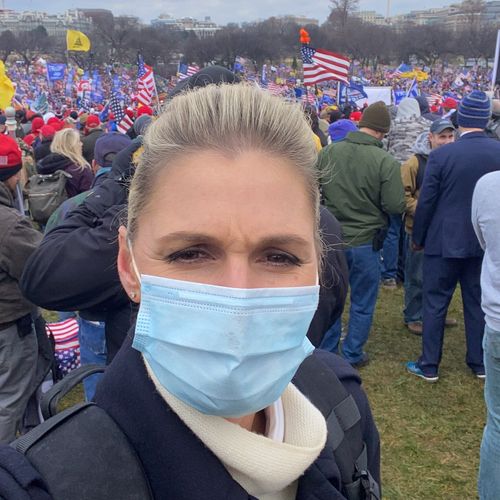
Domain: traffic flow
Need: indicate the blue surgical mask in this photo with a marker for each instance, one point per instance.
(224, 351)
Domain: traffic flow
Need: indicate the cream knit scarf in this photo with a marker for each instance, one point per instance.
(265, 468)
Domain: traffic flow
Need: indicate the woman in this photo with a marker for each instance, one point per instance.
(221, 252)
(66, 154)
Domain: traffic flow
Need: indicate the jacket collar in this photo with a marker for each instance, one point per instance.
(471, 135)
(6, 197)
(362, 138)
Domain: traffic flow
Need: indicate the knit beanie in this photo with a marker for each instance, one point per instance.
(474, 110)
(10, 157)
(376, 117)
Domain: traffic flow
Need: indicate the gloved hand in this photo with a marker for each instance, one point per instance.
(123, 166)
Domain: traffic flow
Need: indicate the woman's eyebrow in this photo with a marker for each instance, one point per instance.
(267, 241)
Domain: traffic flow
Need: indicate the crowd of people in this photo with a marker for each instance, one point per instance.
(207, 254)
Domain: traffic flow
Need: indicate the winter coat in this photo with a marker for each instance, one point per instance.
(361, 186)
(18, 240)
(175, 462)
(80, 180)
(442, 222)
(334, 279)
(409, 171)
(42, 150)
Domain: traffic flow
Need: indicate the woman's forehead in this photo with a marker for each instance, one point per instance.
(252, 192)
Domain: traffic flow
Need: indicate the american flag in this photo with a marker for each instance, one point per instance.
(67, 345)
(433, 99)
(275, 89)
(123, 121)
(308, 98)
(185, 71)
(145, 82)
(320, 65)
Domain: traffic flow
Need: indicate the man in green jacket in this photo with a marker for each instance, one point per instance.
(361, 186)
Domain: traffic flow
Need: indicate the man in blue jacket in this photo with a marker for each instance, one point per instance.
(443, 228)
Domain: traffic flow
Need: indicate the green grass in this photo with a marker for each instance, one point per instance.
(430, 432)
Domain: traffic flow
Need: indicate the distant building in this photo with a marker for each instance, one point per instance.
(56, 25)
(202, 29)
(371, 17)
(300, 20)
(452, 16)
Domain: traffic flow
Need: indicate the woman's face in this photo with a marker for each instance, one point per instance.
(242, 222)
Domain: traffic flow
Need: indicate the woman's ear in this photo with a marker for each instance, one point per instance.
(126, 271)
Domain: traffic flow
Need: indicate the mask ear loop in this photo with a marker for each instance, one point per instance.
(134, 265)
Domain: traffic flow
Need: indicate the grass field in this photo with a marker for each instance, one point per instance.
(430, 432)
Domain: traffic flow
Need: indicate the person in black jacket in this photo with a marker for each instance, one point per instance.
(221, 252)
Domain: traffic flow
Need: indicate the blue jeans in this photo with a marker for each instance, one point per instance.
(364, 279)
(489, 467)
(413, 283)
(390, 251)
(92, 350)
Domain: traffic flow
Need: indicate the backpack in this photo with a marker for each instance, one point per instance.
(117, 471)
(45, 193)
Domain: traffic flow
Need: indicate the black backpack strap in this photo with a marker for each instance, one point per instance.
(82, 454)
(422, 163)
(324, 389)
(51, 398)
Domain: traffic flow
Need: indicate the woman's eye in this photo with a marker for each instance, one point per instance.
(189, 255)
(282, 259)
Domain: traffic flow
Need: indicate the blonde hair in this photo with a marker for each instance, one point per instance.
(67, 142)
(230, 119)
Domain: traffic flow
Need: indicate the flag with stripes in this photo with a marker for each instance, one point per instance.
(67, 345)
(145, 82)
(122, 120)
(433, 99)
(308, 98)
(275, 89)
(187, 70)
(320, 65)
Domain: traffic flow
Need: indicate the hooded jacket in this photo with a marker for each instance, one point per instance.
(409, 171)
(405, 129)
(18, 240)
(81, 178)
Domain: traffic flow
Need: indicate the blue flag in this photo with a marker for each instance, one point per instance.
(413, 90)
(55, 71)
(69, 82)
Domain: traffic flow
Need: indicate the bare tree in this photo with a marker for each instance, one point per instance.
(341, 10)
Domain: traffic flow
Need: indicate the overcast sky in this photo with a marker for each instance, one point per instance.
(221, 11)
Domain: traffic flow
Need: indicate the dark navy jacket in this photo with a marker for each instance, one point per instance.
(443, 217)
(176, 463)
(179, 466)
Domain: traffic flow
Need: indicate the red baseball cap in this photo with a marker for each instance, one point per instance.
(144, 110)
(450, 103)
(11, 159)
(92, 121)
(55, 123)
(37, 124)
(47, 132)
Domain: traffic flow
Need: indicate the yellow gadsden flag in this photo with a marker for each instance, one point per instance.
(7, 89)
(76, 40)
